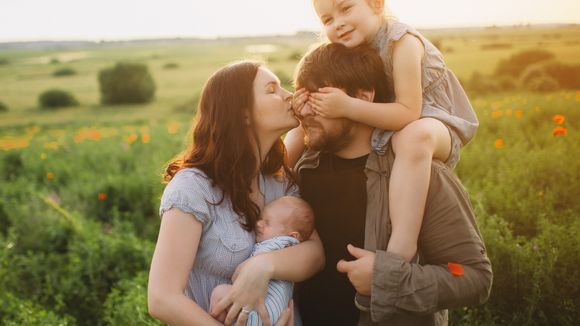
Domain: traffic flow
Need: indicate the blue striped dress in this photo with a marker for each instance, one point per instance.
(224, 244)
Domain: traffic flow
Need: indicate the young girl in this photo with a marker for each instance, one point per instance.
(431, 114)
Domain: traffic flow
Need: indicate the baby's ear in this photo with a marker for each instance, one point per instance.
(296, 235)
(365, 95)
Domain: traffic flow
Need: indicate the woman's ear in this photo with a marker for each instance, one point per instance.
(366, 95)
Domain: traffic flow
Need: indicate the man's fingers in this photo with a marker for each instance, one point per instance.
(357, 252)
(263, 312)
(344, 266)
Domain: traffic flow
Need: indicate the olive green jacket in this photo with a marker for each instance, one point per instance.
(405, 293)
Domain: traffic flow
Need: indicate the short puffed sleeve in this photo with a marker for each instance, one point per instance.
(191, 191)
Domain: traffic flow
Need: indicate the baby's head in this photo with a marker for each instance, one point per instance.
(287, 215)
(350, 22)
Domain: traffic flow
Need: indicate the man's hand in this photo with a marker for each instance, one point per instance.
(359, 271)
(330, 102)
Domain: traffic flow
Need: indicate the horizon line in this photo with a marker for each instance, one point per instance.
(234, 36)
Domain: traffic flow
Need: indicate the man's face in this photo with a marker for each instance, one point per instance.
(324, 134)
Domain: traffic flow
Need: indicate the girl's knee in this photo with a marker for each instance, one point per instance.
(417, 137)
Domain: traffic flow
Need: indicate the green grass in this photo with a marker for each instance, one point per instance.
(81, 186)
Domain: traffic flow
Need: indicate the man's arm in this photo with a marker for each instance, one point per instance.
(449, 234)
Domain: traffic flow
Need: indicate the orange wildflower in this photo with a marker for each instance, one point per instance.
(173, 127)
(102, 196)
(559, 131)
(518, 114)
(559, 119)
(95, 134)
(499, 143)
(496, 114)
(132, 138)
(578, 96)
(455, 269)
(50, 175)
(145, 138)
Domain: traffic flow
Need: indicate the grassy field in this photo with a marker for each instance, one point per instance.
(80, 187)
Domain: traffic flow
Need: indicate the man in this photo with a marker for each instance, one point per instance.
(346, 182)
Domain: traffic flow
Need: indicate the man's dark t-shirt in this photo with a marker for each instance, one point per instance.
(336, 190)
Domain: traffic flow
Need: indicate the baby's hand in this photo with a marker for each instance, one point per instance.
(330, 102)
(299, 98)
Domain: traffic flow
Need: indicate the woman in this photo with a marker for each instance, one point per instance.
(215, 193)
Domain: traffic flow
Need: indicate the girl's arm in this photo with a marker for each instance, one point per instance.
(174, 255)
(407, 55)
(294, 142)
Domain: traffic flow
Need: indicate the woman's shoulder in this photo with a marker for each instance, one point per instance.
(186, 175)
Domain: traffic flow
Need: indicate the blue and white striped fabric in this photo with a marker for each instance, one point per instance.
(279, 292)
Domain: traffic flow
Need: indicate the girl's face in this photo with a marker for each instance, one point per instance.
(350, 22)
(272, 112)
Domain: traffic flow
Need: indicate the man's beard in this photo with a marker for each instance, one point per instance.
(329, 140)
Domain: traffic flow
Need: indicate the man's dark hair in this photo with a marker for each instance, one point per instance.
(351, 69)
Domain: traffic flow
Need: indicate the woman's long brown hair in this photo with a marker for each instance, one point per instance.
(222, 140)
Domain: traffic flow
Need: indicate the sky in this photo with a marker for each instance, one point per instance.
(27, 20)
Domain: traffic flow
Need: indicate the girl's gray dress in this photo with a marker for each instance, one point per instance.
(224, 244)
(443, 97)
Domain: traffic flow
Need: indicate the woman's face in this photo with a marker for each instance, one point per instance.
(272, 112)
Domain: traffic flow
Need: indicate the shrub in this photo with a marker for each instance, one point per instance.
(126, 83)
(170, 65)
(3, 107)
(4, 61)
(64, 72)
(15, 311)
(127, 303)
(514, 65)
(543, 84)
(566, 75)
(55, 98)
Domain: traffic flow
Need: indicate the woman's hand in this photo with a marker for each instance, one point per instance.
(287, 317)
(248, 292)
(330, 102)
(299, 98)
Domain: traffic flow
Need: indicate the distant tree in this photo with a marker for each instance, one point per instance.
(4, 61)
(170, 65)
(517, 63)
(126, 83)
(55, 98)
(3, 107)
(64, 72)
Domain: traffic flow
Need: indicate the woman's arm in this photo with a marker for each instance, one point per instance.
(296, 263)
(174, 255)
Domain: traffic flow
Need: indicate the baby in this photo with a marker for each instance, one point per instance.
(284, 222)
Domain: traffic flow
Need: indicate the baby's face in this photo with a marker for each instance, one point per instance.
(272, 224)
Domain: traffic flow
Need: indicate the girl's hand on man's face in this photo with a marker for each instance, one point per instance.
(330, 102)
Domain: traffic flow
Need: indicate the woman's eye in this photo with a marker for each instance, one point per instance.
(327, 21)
(347, 8)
